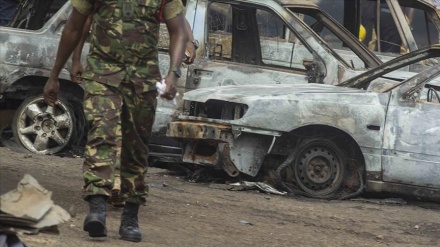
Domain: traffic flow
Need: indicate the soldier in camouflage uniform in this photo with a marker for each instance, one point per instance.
(77, 70)
(122, 70)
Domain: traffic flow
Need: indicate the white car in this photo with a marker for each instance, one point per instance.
(324, 141)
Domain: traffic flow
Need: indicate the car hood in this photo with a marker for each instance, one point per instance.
(295, 105)
(238, 93)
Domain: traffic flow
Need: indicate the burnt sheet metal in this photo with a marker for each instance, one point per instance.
(29, 208)
(245, 152)
(284, 108)
(30, 53)
(192, 133)
(30, 200)
(398, 188)
(308, 3)
(193, 130)
(411, 168)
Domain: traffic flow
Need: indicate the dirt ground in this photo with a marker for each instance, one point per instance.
(182, 213)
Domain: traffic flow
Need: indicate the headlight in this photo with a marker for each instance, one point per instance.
(217, 109)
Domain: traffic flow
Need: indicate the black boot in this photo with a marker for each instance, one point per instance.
(95, 220)
(129, 229)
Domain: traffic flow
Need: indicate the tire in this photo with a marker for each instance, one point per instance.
(319, 167)
(42, 129)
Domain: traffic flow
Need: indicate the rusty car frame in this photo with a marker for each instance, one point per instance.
(370, 132)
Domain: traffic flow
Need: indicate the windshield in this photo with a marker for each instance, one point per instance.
(33, 14)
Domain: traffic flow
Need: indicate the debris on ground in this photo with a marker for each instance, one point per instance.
(386, 201)
(28, 209)
(246, 185)
(245, 222)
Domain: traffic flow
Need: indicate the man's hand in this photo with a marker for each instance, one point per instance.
(171, 87)
(76, 71)
(190, 47)
(51, 90)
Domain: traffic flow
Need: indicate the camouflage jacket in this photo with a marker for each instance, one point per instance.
(124, 38)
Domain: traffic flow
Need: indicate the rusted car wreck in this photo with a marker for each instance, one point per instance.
(317, 136)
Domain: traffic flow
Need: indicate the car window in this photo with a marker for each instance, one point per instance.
(422, 27)
(33, 14)
(253, 36)
(279, 45)
(331, 39)
(220, 31)
(360, 17)
(381, 33)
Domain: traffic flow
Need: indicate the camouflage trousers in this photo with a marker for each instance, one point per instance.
(120, 124)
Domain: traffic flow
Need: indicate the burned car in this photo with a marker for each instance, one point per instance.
(241, 42)
(319, 138)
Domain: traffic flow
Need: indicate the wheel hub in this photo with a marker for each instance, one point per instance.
(318, 170)
(44, 124)
(48, 125)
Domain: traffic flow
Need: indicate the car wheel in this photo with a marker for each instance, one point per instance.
(319, 167)
(41, 128)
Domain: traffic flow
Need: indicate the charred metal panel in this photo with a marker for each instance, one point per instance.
(284, 108)
(31, 53)
(411, 168)
(411, 140)
(373, 159)
(216, 145)
(415, 191)
(374, 176)
(13, 74)
(291, 107)
(193, 130)
(248, 152)
(214, 74)
(203, 142)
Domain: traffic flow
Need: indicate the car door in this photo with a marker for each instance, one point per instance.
(411, 149)
(249, 45)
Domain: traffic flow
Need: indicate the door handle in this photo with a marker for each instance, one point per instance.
(373, 127)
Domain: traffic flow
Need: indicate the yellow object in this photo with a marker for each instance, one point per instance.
(362, 33)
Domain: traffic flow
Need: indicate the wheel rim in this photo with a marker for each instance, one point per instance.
(42, 128)
(318, 170)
